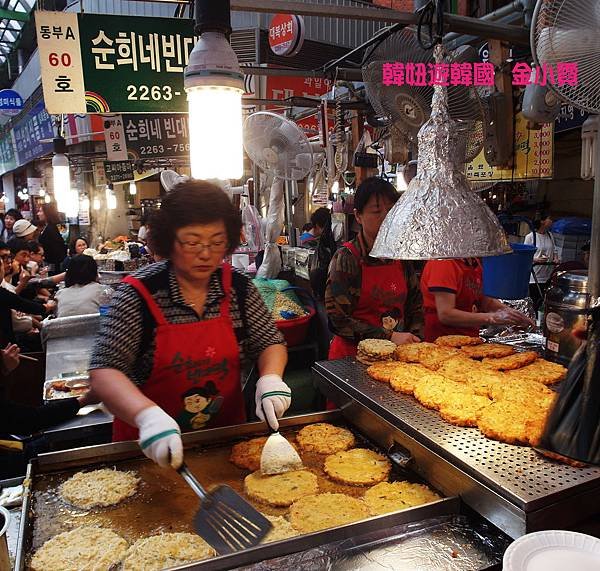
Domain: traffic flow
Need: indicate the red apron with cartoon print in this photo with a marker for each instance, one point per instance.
(467, 299)
(383, 289)
(196, 373)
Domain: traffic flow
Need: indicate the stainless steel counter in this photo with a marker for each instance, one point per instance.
(512, 486)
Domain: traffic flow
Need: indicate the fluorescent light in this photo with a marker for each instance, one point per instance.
(62, 180)
(214, 85)
(111, 197)
(96, 203)
(132, 188)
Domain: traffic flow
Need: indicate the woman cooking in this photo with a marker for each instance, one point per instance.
(178, 332)
(454, 301)
(366, 297)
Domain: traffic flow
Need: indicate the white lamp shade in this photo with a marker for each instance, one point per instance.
(62, 181)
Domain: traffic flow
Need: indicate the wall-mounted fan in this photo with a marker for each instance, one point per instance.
(281, 149)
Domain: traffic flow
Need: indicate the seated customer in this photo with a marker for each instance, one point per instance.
(20, 419)
(82, 291)
(77, 246)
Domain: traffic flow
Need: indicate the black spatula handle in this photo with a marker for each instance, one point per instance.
(271, 429)
(185, 473)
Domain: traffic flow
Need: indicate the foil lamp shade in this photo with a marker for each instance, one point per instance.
(439, 215)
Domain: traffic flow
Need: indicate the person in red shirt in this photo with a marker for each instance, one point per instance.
(454, 303)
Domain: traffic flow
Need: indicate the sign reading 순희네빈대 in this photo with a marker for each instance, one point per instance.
(128, 64)
(157, 135)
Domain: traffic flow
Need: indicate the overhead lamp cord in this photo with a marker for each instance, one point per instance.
(426, 19)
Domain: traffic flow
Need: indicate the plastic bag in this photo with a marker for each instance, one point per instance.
(573, 428)
(253, 233)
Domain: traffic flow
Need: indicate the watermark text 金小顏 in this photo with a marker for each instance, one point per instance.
(478, 74)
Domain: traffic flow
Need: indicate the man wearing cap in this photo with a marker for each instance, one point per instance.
(24, 229)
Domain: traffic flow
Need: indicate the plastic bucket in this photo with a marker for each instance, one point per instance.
(507, 276)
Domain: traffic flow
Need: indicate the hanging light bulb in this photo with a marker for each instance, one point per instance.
(132, 188)
(42, 193)
(61, 174)
(214, 85)
(47, 199)
(71, 209)
(85, 203)
(96, 203)
(335, 188)
(111, 197)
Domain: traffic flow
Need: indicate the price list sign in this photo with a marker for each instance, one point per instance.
(533, 156)
(126, 64)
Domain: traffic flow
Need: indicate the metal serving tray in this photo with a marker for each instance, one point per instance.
(54, 467)
(512, 486)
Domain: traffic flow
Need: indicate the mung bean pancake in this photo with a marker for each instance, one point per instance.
(431, 392)
(383, 370)
(165, 551)
(463, 409)
(99, 488)
(321, 511)
(491, 350)
(392, 496)
(280, 489)
(282, 529)
(89, 548)
(541, 371)
(512, 422)
(456, 368)
(357, 467)
(515, 361)
(434, 357)
(324, 438)
(406, 377)
(458, 341)
(411, 352)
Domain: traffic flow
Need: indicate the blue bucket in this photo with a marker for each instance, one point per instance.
(507, 276)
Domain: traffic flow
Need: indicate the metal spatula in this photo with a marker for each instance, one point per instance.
(278, 455)
(225, 520)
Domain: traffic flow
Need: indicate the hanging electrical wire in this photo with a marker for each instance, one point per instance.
(426, 14)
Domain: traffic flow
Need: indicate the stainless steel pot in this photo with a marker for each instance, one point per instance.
(567, 301)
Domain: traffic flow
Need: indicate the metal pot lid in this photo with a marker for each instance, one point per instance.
(576, 280)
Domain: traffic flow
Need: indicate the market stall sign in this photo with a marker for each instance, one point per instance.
(8, 160)
(533, 156)
(286, 34)
(114, 136)
(280, 87)
(11, 103)
(118, 171)
(569, 118)
(30, 131)
(60, 56)
(157, 136)
(128, 64)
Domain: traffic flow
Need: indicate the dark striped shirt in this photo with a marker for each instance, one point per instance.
(126, 340)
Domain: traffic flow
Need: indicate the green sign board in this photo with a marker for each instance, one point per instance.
(8, 160)
(130, 64)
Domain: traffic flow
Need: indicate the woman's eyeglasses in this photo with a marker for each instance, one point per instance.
(196, 247)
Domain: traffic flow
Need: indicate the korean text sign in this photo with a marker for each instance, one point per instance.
(533, 156)
(130, 64)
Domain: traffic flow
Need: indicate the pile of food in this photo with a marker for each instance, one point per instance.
(471, 383)
(312, 508)
(280, 298)
(343, 483)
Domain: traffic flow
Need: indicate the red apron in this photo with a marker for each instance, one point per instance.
(196, 373)
(467, 299)
(383, 292)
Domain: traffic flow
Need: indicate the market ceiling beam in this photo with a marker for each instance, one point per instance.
(345, 74)
(12, 15)
(453, 23)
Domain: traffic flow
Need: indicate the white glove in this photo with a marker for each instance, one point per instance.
(274, 396)
(160, 437)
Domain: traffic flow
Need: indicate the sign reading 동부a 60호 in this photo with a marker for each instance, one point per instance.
(127, 64)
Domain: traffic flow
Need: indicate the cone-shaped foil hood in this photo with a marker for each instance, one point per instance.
(439, 215)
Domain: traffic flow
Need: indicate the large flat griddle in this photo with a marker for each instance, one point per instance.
(513, 486)
(165, 504)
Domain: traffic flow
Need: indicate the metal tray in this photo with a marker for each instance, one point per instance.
(166, 502)
(512, 486)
